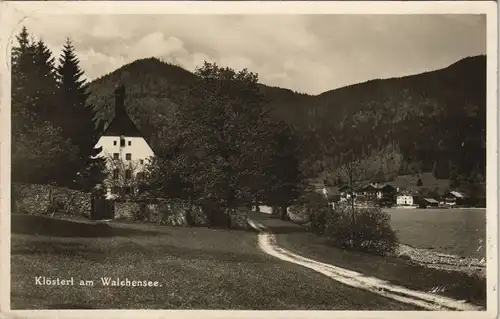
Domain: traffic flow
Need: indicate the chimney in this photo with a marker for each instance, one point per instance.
(120, 101)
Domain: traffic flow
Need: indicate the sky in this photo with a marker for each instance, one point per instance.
(305, 53)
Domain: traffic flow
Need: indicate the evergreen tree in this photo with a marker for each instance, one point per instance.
(22, 97)
(39, 152)
(78, 119)
(33, 81)
(45, 82)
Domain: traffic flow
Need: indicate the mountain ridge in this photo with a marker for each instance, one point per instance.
(427, 115)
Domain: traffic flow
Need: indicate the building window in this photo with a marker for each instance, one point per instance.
(115, 173)
(128, 156)
(122, 142)
(129, 143)
(128, 174)
(141, 161)
(116, 156)
(114, 143)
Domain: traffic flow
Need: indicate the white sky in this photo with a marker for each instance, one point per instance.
(306, 53)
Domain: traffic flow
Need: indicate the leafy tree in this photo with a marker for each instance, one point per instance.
(77, 119)
(283, 179)
(124, 176)
(226, 147)
(39, 155)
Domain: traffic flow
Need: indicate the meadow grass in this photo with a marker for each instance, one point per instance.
(197, 268)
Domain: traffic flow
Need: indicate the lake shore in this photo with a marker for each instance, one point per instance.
(431, 259)
(453, 232)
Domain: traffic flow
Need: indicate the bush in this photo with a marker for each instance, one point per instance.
(313, 208)
(178, 212)
(367, 230)
(40, 199)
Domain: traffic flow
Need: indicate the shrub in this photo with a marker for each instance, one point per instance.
(41, 199)
(364, 229)
(138, 212)
(178, 212)
(312, 207)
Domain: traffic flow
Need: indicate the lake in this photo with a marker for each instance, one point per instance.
(459, 232)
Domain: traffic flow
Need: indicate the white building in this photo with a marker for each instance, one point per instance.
(404, 200)
(125, 149)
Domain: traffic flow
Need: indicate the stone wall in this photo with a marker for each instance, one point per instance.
(35, 199)
(164, 212)
(127, 210)
(173, 212)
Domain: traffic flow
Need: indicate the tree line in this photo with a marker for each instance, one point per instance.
(53, 127)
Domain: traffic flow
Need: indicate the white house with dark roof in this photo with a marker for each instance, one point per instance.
(405, 198)
(125, 149)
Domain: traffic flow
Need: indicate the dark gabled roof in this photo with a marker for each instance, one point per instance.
(367, 188)
(386, 186)
(344, 188)
(376, 186)
(122, 124)
(431, 200)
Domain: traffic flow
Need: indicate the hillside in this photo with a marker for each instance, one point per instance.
(435, 121)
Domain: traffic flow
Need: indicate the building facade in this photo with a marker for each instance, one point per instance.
(125, 150)
(376, 192)
(405, 200)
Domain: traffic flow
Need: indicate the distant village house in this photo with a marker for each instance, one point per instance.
(455, 198)
(405, 199)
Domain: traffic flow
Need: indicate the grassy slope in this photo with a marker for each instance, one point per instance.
(198, 268)
(395, 270)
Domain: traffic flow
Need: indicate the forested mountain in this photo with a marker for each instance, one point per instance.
(434, 121)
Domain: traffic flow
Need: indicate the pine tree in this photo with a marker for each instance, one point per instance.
(39, 152)
(419, 182)
(22, 98)
(78, 119)
(45, 82)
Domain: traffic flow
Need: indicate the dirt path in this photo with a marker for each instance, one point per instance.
(267, 242)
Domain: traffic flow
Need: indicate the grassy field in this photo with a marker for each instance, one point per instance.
(460, 232)
(197, 268)
(395, 270)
